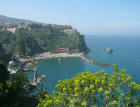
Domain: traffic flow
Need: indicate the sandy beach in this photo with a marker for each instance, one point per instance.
(47, 55)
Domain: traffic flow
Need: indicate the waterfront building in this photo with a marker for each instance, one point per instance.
(61, 50)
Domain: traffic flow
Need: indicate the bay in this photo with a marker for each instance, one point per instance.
(126, 54)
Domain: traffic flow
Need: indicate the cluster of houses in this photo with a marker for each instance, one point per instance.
(20, 26)
(61, 50)
(65, 28)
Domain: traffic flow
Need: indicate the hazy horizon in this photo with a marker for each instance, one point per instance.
(90, 17)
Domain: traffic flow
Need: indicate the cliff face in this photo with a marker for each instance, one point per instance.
(40, 38)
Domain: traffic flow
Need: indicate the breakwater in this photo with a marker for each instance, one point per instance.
(93, 61)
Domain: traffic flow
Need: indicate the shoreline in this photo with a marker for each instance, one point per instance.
(49, 55)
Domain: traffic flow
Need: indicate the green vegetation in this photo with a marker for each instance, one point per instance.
(94, 90)
(85, 90)
(4, 74)
(41, 38)
(12, 93)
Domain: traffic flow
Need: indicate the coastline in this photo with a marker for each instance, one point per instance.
(48, 55)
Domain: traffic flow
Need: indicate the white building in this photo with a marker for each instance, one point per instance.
(13, 30)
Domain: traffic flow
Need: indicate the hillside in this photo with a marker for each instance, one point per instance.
(5, 19)
(41, 38)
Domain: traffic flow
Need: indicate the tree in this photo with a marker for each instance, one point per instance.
(4, 73)
(18, 83)
(12, 93)
(94, 89)
(4, 85)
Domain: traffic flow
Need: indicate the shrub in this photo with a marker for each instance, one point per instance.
(94, 89)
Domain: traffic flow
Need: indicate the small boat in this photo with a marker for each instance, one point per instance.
(59, 60)
(109, 50)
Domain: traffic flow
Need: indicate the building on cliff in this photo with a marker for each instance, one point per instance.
(70, 31)
(13, 30)
(23, 25)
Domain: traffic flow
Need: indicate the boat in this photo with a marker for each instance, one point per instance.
(109, 50)
(59, 60)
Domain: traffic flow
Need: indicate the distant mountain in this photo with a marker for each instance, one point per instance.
(5, 19)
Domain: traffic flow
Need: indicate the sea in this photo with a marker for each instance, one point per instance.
(126, 54)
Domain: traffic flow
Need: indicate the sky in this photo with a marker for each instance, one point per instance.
(89, 17)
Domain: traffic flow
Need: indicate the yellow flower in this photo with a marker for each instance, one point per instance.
(97, 73)
(107, 92)
(122, 94)
(49, 101)
(86, 89)
(100, 89)
(122, 78)
(103, 81)
(72, 101)
(70, 89)
(76, 84)
(61, 94)
(59, 81)
(111, 84)
(76, 89)
(91, 86)
(84, 103)
(76, 81)
(57, 101)
(83, 76)
(96, 81)
(123, 70)
(129, 77)
(67, 81)
(57, 85)
(114, 102)
(83, 81)
(76, 94)
(64, 89)
(93, 91)
(103, 77)
(138, 86)
(133, 83)
(53, 91)
(105, 73)
(127, 98)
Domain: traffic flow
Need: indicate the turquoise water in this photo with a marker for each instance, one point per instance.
(126, 54)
